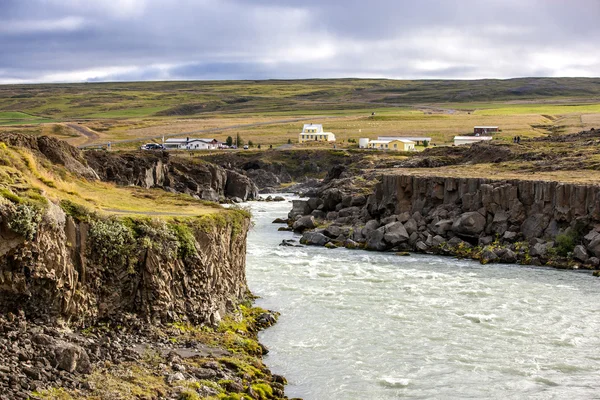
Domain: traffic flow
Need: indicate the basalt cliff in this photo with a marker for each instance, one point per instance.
(125, 305)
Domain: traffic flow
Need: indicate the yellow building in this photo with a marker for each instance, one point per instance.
(314, 132)
(394, 145)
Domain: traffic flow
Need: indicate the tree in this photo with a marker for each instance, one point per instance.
(229, 141)
(250, 143)
(289, 141)
(238, 141)
(425, 143)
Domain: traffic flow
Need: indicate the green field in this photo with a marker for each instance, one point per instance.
(527, 107)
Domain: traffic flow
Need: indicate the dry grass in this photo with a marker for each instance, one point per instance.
(55, 184)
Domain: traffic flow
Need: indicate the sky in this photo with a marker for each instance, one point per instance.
(133, 40)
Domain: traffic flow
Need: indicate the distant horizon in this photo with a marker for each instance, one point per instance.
(295, 79)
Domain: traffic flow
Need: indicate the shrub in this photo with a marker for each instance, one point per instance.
(566, 242)
(25, 220)
(425, 143)
(112, 243)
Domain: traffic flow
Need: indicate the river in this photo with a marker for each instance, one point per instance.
(365, 325)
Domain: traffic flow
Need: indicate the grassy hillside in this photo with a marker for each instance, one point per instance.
(145, 111)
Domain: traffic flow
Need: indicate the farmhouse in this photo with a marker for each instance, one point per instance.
(460, 140)
(191, 144)
(394, 145)
(482, 130)
(314, 132)
(417, 139)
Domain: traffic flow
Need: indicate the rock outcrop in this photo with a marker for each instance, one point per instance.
(157, 169)
(92, 269)
(493, 220)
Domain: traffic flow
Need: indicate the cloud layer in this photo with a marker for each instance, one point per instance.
(81, 40)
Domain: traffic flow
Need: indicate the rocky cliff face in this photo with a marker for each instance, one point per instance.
(90, 268)
(535, 222)
(157, 169)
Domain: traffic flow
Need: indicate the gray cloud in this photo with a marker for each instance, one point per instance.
(78, 40)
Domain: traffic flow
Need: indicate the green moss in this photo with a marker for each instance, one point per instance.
(186, 242)
(77, 211)
(263, 390)
(189, 394)
(7, 194)
(52, 394)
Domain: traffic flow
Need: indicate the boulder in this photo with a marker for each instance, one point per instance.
(71, 358)
(333, 231)
(488, 255)
(510, 236)
(437, 241)
(318, 214)
(540, 249)
(299, 207)
(594, 246)
(369, 227)
(534, 226)
(469, 224)
(314, 238)
(411, 226)
(443, 226)
(331, 198)
(506, 255)
(395, 233)
(421, 246)
(375, 239)
(348, 212)
(241, 186)
(350, 244)
(332, 215)
(580, 253)
(330, 245)
(358, 201)
(304, 223)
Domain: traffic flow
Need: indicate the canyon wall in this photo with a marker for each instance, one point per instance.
(86, 268)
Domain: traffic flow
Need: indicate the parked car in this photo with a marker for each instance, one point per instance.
(245, 147)
(152, 146)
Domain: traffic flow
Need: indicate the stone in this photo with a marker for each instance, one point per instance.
(241, 186)
(369, 227)
(443, 226)
(299, 207)
(314, 238)
(404, 217)
(280, 221)
(594, 246)
(469, 224)
(506, 255)
(375, 239)
(318, 214)
(411, 226)
(488, 255)
(350, 244)
(437, 241)
(358, 201)
(534, 226)
(348, 212)
(304, 223)
(580, 253)
(389, 220)
(510, 236)
(594, 261)
(485, 240)
(539, 250)
(71, 358)
(278, 198)
(421, 246)
(333, 231)
(395, 233)
(330, 245)
(590, 237)
(176, 377)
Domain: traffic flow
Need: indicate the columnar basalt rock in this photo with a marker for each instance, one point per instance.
(516, 220)
(63, 272)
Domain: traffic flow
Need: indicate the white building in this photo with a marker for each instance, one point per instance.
(393, 145)
(191, 144)
(314, 132)
(417, 139)
(461, 140)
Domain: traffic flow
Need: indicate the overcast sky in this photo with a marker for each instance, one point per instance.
(107, 40)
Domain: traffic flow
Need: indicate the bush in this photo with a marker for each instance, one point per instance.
(112, 243)
(25, 220)
(425, 143)
(566, 242)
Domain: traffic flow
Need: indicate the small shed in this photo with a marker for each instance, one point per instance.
(483, 130)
